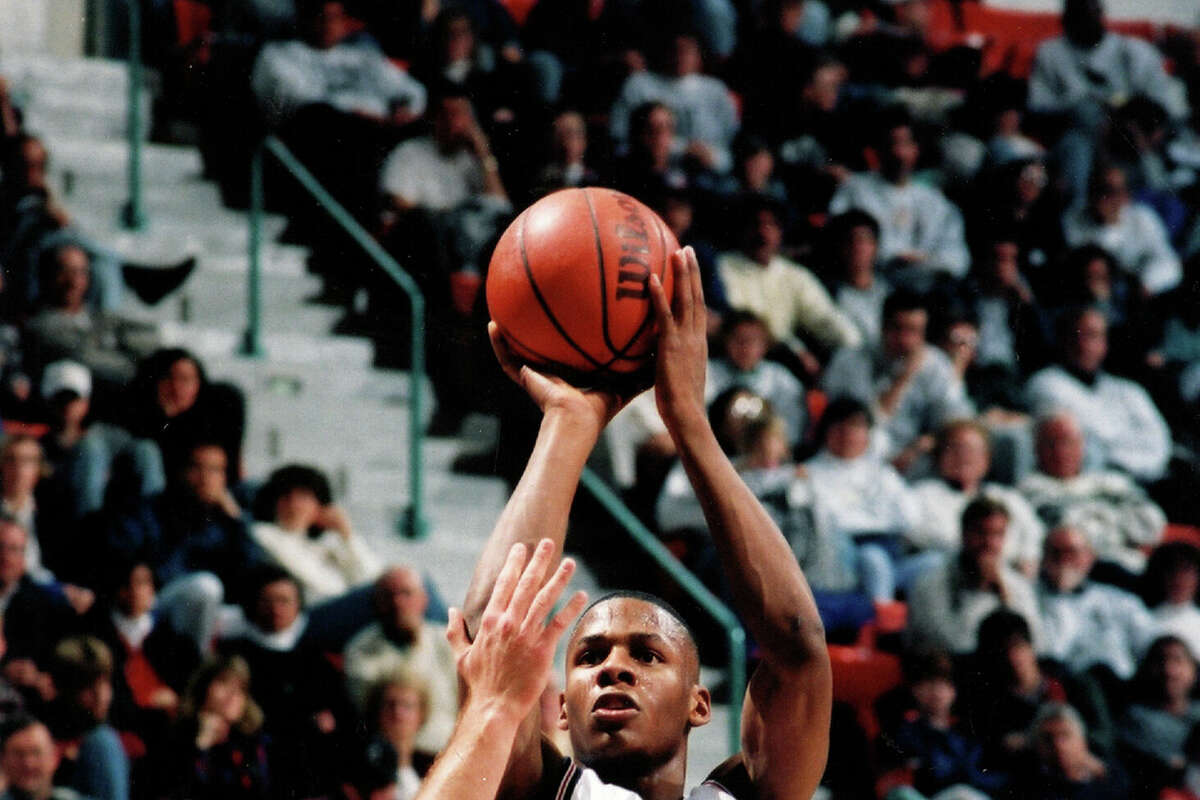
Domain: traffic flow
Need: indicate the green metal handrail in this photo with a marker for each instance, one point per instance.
(132, 216)
(413, 524)
(734, 632)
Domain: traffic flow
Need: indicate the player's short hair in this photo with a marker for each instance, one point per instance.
(645, 597)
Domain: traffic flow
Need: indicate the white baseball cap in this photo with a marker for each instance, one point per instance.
(64, 376)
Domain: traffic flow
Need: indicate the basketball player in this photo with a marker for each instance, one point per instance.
(632, 691)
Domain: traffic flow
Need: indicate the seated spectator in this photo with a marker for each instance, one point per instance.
(1012, 332)
(1161, 713)
(745, 341)
(1091, 277)
(194, 537)
(567, 164)
(35, 616)
(151, 660)
(962, 458)
(649, 165)
(96, 766)
(921, 232)
(858, 497)
(910, 383)
(29, 760)
(701, 104)
(1113, 511)
(300, 529)
(32, 504)
(947, 604)
(66, 328)
(401, 639)
(219, 749)
(860, 292)
(1117, 414)
(1063, 766)
(1169, 588)
(1131, 231)
(173, 403)
(92, 462)
(1089, 627)
(929, 744)
(297, 688)
(397, 707)
(753, 172)
(793, 303)
(1005, 684)
(1080, 76)
(331, 72)
(1020, 199)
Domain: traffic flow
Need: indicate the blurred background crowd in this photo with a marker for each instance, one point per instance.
(952, 264)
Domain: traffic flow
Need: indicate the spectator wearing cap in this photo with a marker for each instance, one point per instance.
(29, 760)
(852, 242)
(962, 458)
(92, 461)
(947, 604)
(401, 639)
(1089, 626)
(1128, 229)
(910, 385)
(921, 232)
(1117, 414)
(1106, 505)
(703, 108)
(794, 304)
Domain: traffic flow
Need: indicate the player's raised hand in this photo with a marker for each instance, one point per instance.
(552, 392)
(507, 665)
(682, 342)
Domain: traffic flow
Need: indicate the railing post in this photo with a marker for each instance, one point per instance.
(132, 216)
(413, 524)
(712, 605)
(252, 338)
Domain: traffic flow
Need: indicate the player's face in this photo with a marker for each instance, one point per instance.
(631, 693)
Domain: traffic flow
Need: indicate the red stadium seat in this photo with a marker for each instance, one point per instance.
(1182, 533)
(193, 19)
(860, 676)
(520, 8)
(37, 430)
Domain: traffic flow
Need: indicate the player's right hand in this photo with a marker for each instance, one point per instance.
(682, 357)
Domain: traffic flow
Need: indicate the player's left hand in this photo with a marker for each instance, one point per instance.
(682, 340)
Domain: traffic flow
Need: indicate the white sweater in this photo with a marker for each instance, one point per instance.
(325, 566)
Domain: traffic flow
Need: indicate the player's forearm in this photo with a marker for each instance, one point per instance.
(541, 503)
(769, 590)
(472, 764)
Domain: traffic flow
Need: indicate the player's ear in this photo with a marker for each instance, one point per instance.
(562, 711)
(701, 711)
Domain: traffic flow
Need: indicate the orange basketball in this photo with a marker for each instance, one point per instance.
(569, 284)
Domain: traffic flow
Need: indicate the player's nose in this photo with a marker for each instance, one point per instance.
(616, 669)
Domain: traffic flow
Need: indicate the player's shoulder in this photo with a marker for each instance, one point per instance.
(729, 780)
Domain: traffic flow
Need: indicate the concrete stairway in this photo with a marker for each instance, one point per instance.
(315, 397)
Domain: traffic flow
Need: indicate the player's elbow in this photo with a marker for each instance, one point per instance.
(802, 643)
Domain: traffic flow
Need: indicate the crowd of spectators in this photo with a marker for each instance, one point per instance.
(953, 307)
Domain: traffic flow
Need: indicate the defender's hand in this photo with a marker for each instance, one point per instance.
(682, 342)
(507, 666)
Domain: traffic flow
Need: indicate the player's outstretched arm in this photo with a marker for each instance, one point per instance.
(503, 672)
(785, 720)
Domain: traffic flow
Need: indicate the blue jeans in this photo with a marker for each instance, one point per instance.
(882, 569)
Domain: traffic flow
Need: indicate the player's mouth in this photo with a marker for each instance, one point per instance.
(614, 707)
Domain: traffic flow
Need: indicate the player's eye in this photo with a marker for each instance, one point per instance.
(646, 655)
(591, 655)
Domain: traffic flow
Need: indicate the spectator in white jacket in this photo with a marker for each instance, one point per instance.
(1132, 232)
(962, 457)
(1115, 513)
(920, 231)
(1117, 414)
(1089, 626)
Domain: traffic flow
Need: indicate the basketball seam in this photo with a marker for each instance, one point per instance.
(546, 307)
(662, 272)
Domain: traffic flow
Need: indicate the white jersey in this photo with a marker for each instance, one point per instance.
(581, 783)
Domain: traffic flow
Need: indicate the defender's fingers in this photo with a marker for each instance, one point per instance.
(683, 305)
(506, 581)
(456, 633)
(697, 284)
(504, 354)
(531, 579)
(549, 594)
(565, 615)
